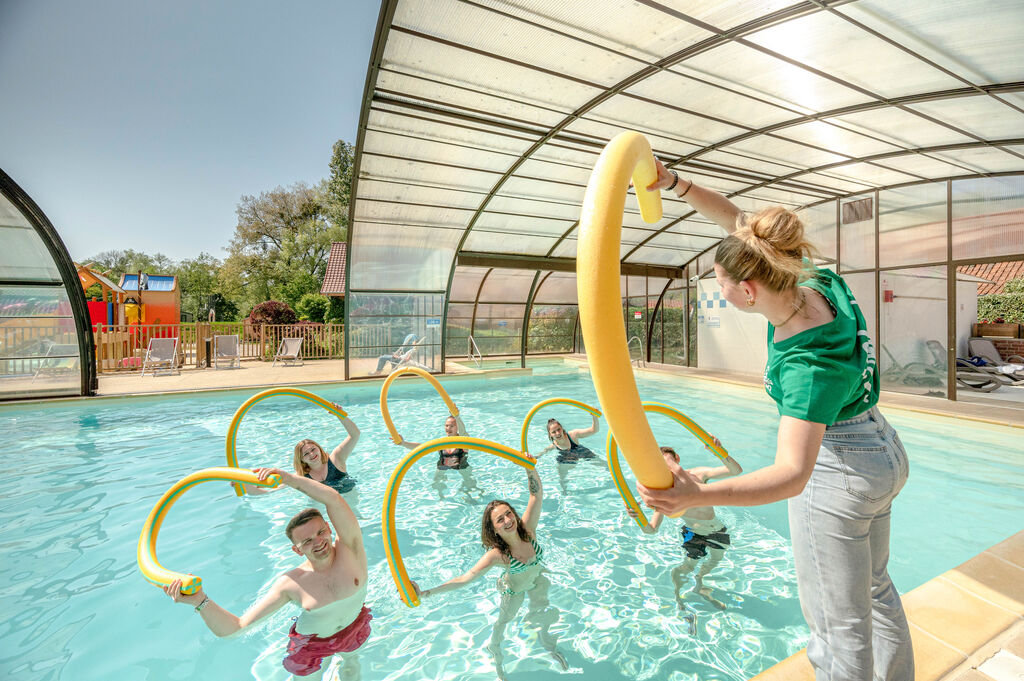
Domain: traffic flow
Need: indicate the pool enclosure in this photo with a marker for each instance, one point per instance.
(895, 128)
(44, 324)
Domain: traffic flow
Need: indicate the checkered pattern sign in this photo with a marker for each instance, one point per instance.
(711, 300)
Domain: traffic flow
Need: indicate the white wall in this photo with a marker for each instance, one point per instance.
(728, 339)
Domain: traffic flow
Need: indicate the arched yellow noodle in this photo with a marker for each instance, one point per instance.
(678, 417)
(388, 531)
(452, 409)
(600, 305)
(540, 405)
(151, 568)
(236, 420)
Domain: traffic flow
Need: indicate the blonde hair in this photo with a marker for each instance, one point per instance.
(300, 466)
(768, 247)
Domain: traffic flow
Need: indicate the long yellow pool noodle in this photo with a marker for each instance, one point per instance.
(540, 405)
(236, 420)
(600, 302)
(388, 531)
(151, 568)
(678, 417)
(452, 409)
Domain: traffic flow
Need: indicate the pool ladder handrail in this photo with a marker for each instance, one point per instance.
(477, 358)
(639, 361)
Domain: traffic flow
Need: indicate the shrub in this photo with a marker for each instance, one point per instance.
(1002, 307)
(313, 307)
(272, 312)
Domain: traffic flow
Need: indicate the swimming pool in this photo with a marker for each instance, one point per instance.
(79, 478)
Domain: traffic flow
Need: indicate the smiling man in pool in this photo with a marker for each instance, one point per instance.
(329, 586)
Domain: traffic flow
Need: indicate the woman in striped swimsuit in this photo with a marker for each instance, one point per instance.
(511, 542)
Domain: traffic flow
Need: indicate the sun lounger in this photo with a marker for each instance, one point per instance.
(225, 351)
(162, 353)
(290, 352)
(61, 360)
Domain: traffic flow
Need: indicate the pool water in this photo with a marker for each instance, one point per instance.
(80, 477)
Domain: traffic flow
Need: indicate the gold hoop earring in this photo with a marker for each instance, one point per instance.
(750, 302)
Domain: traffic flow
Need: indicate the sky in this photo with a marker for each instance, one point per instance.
(141, 124)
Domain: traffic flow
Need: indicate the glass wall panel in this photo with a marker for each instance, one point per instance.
(820, 228)
(466, 283)
(857, 233)
(862, 285)
(460, 319)
(507, 286)
(397, 257)
(559, 287)
(988, 217)
(668, 338)
(912, 340)
(39, 352)
(912, 225)
(551, 328)
(24, 256)
(405, 328)
(635, 310)
(498, 328)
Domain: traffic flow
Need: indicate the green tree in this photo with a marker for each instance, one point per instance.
(197, 279)
(313, 307)
(338, 186)
(280, 246)
(115, 263)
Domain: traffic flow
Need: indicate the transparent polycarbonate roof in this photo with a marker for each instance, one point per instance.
(483, 118)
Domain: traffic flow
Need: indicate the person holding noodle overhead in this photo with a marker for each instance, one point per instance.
(838, 460)
(511, 542)
(312, 461)
(456, 459)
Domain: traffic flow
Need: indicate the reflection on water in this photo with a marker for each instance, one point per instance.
(78, 481)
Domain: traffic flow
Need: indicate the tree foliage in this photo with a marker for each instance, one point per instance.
(313, 307)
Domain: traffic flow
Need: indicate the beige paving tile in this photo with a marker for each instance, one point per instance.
(993, 579)
(973, 675)
(1011, 549)
(793, 668)
(957, 617)
(932, 659)
(1016, 645)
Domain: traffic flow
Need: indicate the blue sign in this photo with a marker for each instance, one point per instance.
(433, 321)
(503, 322)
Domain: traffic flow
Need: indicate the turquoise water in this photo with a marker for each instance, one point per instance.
(79, 478)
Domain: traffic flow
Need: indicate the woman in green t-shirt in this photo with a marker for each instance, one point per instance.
(838, 461)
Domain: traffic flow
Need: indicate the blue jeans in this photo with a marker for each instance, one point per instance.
(840, 530)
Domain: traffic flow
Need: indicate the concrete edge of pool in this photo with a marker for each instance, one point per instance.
(963, 623)
(261, 375)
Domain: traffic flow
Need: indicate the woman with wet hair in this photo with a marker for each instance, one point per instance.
(312, 461)
(837, 460)
(570, 451)
(511, 542)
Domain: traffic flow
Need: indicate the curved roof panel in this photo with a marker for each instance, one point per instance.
(483, 118)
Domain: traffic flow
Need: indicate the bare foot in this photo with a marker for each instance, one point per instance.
(705, 592)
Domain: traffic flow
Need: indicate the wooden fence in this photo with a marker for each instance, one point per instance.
(123, 347)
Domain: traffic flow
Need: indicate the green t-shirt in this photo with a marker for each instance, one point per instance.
(828, 373)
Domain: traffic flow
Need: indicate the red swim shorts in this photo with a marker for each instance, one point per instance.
(306, 652)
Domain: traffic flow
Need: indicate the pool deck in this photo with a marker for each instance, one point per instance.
(967, 624)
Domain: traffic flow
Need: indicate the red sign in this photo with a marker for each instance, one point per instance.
(637, 314)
